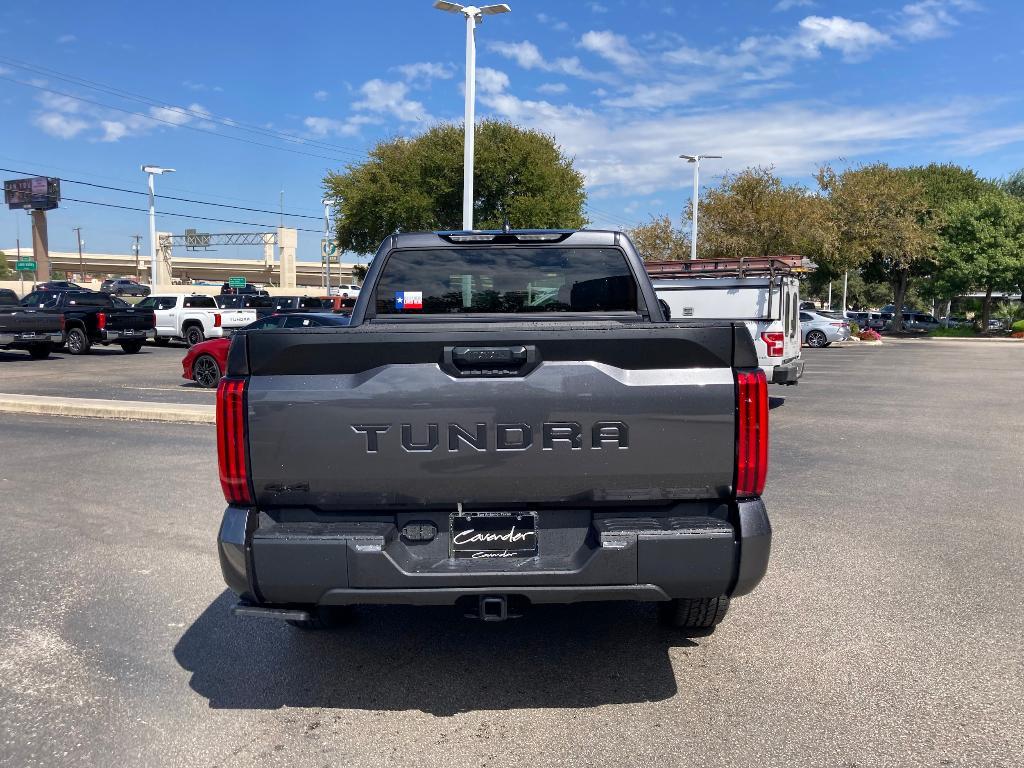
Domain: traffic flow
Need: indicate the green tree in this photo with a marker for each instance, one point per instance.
(4, 267)
(752, 213)
(658, 240)
(408, 184)
(880, 218)
(983, 247)
(1014, 184)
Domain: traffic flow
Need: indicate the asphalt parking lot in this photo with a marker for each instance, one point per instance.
(154, 374)
(887, 631)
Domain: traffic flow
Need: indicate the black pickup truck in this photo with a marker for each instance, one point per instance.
(91, 318)
(509, 419)
(35, 331)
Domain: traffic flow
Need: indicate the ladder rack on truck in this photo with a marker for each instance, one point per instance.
(743, 266)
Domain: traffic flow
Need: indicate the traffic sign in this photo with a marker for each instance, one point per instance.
(25, 266)
(236, 282)
(328, 250)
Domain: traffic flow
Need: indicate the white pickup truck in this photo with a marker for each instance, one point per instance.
(193, 318)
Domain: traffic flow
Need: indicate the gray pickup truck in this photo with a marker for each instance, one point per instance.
(508, 420)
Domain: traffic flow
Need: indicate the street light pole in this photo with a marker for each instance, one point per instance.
(327, 241)
(153, 170)
(81, 263)
(695, 159)
(474, 16)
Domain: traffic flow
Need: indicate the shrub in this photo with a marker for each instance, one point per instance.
(854, 328)
(869, 334)
(1017, 335)
(1018, 326)
(953, 332)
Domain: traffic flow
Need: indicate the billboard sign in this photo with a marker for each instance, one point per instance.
(39, 193)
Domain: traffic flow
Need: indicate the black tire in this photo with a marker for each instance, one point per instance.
(694, 613)
(325, 617)
(816, 339)
(131, 347)
(194, 335)
(77, 342)
(161, 341)
(205, 372)
(39, 351)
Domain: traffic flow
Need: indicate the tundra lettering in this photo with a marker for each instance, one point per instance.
(507, 437)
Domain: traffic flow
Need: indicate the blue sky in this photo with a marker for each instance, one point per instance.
(247, 99)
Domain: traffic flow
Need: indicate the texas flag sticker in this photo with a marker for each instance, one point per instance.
(408, 300)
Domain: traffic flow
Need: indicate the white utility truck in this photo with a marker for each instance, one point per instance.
(762, 292)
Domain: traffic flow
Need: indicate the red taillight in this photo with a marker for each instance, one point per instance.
(62, 321)
(154, 319)
(231, 443)
(840, 325)
(216, 319)
(775, 341)
(751, 432)
(101, 320)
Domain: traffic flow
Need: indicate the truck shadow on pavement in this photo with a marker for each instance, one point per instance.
(434, 660)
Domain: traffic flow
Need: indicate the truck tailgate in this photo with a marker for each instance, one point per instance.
(129, 319)
(18, 321)
(237, 318)
(365, 417)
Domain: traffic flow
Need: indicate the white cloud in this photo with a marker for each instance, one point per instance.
(425, 71)
(113, 130)
(58, 102)
(390, 98)
(550, 21)
(528, 56)
(552, 88)
(637, 155)
(613, 47)
(320, 95)
(785, 5)
(597, 8)
(854, 39)
(979, 142)
(928, 19)
(65, 39)
(325, 126)
(491, 80)
(60, 125)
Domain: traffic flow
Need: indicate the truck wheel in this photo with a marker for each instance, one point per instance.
(194, 335)
(816, 339)
(696, 613)
(325, 617)
(77, 342)
(131, 347)
(39, 351)
(161, 341)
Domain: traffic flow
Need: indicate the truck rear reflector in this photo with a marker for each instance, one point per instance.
(231, 442)
(751, 432)
(101, 320)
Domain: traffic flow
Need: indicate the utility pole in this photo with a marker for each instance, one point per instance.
(81, 263)
(695, 160)
(327, 242)
(474, 15)
(846, 278)
(135, 250)
(154, 272)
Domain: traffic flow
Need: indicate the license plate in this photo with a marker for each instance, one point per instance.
(28, 335)
(129, 332)
(493, 535)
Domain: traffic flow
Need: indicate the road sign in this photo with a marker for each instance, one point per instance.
(236, 282)
(39, 193)
(328, 250)
(25, 266)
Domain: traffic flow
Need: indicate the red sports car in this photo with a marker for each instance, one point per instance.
(206, 362)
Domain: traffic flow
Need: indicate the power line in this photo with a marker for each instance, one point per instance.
(195, 128)
(128, 95)
(184, 215)
(169, 197)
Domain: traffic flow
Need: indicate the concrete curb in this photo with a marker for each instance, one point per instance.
(127, 410)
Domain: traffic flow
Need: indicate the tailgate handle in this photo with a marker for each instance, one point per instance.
(516, 360)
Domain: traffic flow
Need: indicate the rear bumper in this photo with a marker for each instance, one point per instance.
(787, 373)
(18, 339)
(692, 550)
(116, 337)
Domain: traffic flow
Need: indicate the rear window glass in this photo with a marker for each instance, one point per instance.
(258, 301)
(506, 280)
(200, 302)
